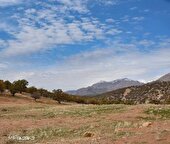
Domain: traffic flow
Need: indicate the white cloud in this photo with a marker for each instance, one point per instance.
(76, 5)
(126, 18)
(138, 18)
(114, 31)
(110, 20)
(119, 60)
(9, 2)
(54, 29)
(108, 2)
(146, 43)
(133, 8)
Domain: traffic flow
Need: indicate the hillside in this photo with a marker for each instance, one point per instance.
(103, 86)
(165, 77)
(155, 92)
(23, 99)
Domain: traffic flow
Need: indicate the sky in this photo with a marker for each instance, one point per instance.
(70, 44)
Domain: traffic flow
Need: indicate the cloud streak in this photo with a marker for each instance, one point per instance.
(4, 3)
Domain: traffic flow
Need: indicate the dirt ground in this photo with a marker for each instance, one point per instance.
(24, 121)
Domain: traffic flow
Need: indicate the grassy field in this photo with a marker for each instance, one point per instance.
(45, 122)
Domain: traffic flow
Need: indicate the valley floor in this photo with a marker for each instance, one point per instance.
(44, 122)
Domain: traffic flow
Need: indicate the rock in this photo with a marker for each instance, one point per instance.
(88, 134)
(4, 110)
(146, 124)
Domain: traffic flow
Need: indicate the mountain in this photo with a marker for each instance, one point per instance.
(165, 78)
(103, 86)
(154, 92)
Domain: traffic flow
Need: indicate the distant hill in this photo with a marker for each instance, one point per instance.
(103, 86)
(155, 92)
(165, 78)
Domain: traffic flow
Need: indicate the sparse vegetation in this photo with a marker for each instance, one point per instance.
(162, 113)
(85, 111)
(154, 93)
(77, 123)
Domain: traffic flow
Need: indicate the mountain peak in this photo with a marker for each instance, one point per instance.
(102, 81)
(123, 79)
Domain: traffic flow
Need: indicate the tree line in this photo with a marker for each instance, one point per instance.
(21, 86)
(58, 95)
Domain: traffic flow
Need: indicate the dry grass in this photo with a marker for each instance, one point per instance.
(47, 122)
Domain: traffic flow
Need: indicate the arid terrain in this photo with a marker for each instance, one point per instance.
(45, 122)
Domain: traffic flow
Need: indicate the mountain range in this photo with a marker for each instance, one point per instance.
(104, 86)
(157, 92)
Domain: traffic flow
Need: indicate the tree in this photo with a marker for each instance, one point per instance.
(2, 86)
(36, 95)
(31, 90)
(7, 84)
(43, 92)
(58, 95)
(13, 89)
(20, 85)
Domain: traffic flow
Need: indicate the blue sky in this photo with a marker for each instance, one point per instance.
(70, 44)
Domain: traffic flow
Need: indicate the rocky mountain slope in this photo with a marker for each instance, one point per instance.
(155, 92)
(104, 86)
(165, 77)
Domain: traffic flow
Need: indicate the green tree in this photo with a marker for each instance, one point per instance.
(58, 95)
(13, 89)
(20, 85)
(2, 86)
(7, 84)
(31, 90)
(43, 92)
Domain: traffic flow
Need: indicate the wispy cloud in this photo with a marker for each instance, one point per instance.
(133, 8)
(52, 25)
(9, 2)
(138, 18)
